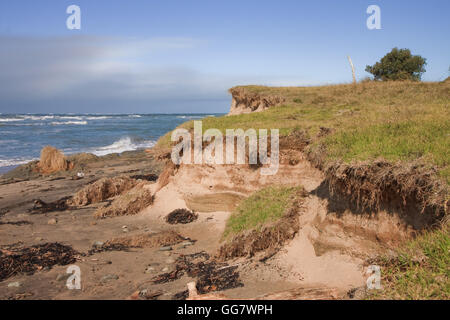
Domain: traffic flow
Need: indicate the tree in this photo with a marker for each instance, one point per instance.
(398, 65)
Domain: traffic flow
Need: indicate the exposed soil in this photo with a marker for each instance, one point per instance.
(246, 102)
(127, 203)
(319, 250)
(270, 238)
(151, 240)
(44, 207)
(102, 190)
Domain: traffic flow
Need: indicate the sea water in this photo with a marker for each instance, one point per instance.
(22, 136)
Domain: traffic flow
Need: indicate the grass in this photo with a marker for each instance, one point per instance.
(397, 121)
(421, 270)
(394, 141)
(264, 206)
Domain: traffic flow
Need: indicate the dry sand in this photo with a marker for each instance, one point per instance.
(305, 262)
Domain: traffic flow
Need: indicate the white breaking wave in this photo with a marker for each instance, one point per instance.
(15, 162)
(69, 117)
(11, 120)
(38, 118)
(134, 116)
(122, 145)
(97, 118)
(70, 122)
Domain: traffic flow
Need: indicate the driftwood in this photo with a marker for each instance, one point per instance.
(321, 293)
(193, 294)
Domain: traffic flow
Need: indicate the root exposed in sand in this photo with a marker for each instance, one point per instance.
(128, 203)
(164, 177)
(44, 207)
(80, 159)
(101, 190)
(52, 160)
(269, 238)
(108, 247)
(211, 275)
(168, 238)
(372, 185)
(271, 235)
(182, 216)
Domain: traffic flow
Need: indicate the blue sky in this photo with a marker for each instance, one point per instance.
(182, 56)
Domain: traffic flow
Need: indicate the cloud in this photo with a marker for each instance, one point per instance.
(49, 67)
(100, 74)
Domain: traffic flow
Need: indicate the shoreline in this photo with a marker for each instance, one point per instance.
(339, 222)
(7, 169)
(100, 134)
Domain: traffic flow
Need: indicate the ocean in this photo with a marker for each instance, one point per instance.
(22, 136)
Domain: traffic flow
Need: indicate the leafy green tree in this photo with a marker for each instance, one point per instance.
(399, 64)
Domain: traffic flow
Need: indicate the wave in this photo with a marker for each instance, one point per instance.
(122, 145)
(134, 116)
(11, 120)
(70, 122)
(15, 162)
(69, 117)
(28, 124)
(38, 118)
(97, 117)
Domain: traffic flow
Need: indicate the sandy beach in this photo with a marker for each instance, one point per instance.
(155, 270)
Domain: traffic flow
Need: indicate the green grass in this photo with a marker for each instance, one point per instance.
(264, 206)
(391, 120)
(394, 141)
(421, 271)
(396, 121)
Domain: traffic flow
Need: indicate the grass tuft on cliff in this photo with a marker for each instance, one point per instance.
(264, 206)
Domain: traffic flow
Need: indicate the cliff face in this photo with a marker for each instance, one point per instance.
(244, 101)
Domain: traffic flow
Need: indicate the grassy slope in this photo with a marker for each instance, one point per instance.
(421, 270)
(390, 120)
(397, 121)
(262, 207)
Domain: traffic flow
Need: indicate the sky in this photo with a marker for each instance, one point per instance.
(145, 56)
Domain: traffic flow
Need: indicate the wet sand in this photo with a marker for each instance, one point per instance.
(110, 274)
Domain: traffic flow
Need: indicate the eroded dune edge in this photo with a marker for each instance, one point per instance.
(344, 199)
